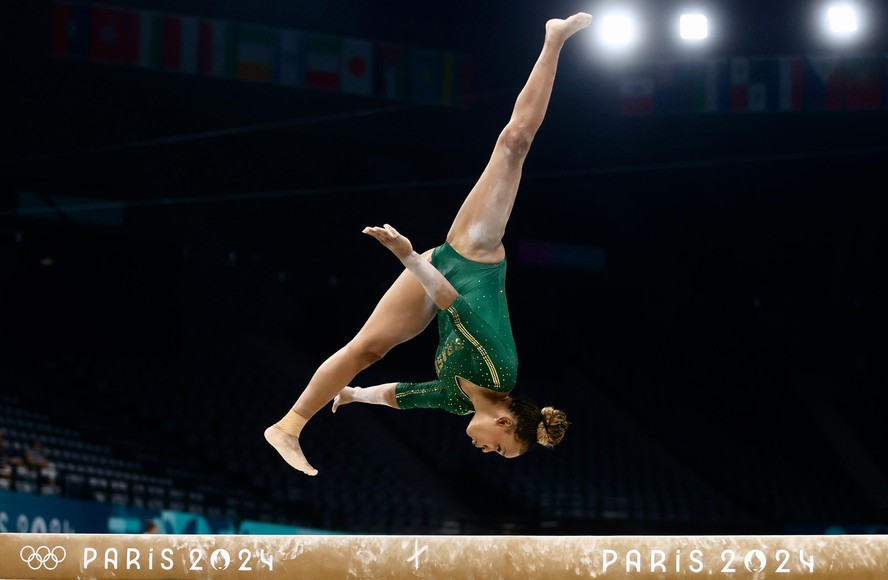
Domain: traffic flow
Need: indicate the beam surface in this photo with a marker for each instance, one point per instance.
(248, 557)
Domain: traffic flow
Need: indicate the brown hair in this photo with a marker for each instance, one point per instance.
(534, 426)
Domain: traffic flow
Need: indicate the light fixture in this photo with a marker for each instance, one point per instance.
(842, 19)
(693, 26)
(618, 29)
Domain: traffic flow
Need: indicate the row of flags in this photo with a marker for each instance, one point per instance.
(309, 60)
(251, 52)
(772, 84)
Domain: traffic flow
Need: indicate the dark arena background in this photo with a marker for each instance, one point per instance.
(696, 256)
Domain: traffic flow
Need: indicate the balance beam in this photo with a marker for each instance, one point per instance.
(125, 557)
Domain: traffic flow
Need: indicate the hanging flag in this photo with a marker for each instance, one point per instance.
(180, 43)
(678, 87)
(883, 74)
(456, 79)
(70, 30)
(357, 66)
(466, 79)
(764, 85)
(792, 83)
(290, 51)
(256, 51)
(322, 62)
(824, 88)
(449, 83)
(715, 83)
(754, 85)
(637, 93)
(426, 78)
(391, 74)
(739, 100)
(113, 35)
(216, 55)
(150, 46)
(863, 82)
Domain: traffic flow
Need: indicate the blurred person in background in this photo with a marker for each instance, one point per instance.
(9, 460)
(38, 461)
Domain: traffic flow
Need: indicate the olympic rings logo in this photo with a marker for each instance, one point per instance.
(43, 557)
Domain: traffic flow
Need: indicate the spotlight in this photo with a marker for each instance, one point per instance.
(842, 19)
(618, 29)
(693, 26)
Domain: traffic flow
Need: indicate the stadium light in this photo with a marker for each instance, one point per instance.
(842, 21)
(693, 26)
(618, 29)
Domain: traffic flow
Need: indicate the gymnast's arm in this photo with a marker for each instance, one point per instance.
(439, 289)
(378, 395)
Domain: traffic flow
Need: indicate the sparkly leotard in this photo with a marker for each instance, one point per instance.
(475, 337)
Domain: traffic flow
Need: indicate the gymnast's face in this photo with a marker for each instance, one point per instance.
(494, 435)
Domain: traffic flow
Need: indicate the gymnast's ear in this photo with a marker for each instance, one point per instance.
(505, 421)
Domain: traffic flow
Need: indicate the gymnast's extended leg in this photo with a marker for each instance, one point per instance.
(479, 226)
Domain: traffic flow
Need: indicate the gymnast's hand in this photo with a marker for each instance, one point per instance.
(391, 239)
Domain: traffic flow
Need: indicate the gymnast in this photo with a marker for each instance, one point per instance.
(462, 283)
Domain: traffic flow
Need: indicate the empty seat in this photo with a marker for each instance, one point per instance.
(98, 488)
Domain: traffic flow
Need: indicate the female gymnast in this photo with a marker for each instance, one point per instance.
(462, 282)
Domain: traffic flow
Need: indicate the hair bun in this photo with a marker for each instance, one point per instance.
(551, 429)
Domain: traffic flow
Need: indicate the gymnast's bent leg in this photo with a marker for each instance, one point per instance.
(402, 313)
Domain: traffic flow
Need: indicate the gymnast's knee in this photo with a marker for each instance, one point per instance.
(516, 137)
(366, 351)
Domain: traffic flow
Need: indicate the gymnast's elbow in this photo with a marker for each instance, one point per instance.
(445, 296)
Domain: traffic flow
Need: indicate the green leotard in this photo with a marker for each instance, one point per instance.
(475, 337)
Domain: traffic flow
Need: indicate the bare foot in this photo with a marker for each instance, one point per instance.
(561, 30)
(288, 447)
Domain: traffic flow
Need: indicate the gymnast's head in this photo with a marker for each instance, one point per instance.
(517, 428)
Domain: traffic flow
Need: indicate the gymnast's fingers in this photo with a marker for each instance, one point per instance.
(371, 231)
(381, 235)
